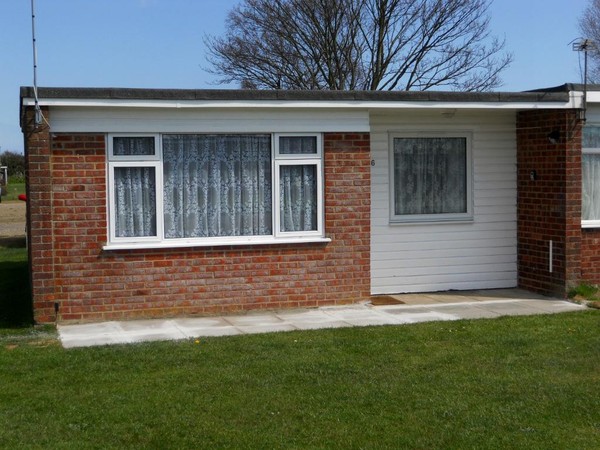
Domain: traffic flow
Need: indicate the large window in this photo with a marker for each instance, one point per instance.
(208, 189)
(431, 179)
(590, 171)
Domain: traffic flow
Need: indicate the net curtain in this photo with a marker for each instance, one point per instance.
(430, 175)
(217, 185)
(590, 207)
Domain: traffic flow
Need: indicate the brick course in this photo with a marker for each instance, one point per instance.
(68, 227)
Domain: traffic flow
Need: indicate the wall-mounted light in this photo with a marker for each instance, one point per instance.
(533, 175)
(554, 136)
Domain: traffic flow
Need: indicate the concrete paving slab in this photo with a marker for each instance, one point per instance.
(141, 337)
(373, 321)
(313, 315)
(253, 320)
(321, 325)
(206, 326)
(466, 311)
(87, 329)
(553, 306)
(201, 322)
(311, 319)
(211, 332)
(485, 295)
(509, 308)
(483, 304)
(411, 299)
(266, 328)
(351, 313)
(448, 298)
(93, 341)
(91, 334)
(149, 326)
(402, 309)
(416, 300)
(365, 317)
(429, 316)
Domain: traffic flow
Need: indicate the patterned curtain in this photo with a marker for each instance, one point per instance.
(297, 145)
(298, 197)
(590, 165)
(590, 209)
(135, 201)
(128, 146)
(430, 175)
(217, 185)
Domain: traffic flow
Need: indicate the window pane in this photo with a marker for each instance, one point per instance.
(298, 145)
(135, 201)
(430, 175)
(130, 146)
(217, 185)
(298, 197)
(590, 208)
(591, 137)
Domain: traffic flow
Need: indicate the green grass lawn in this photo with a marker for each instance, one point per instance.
(12, 191)
(516, 382)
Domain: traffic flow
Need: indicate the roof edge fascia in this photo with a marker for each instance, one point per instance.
(226, 99)
(573, 102)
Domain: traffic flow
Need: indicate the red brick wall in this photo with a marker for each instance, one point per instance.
(590, 256)
(89, 283)
(39, 216)
(549, 208)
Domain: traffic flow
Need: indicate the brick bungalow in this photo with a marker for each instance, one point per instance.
(154, 203)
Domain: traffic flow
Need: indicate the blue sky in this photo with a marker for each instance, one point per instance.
(159, 44)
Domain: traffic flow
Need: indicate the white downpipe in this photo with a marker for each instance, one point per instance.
(550, 256)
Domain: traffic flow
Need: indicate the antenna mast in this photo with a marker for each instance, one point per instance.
(38, 111)
(584, 46)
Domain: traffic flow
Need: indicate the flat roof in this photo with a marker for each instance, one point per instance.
(70, 93)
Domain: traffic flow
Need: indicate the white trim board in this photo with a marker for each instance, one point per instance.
(574, 102)
(147, 120)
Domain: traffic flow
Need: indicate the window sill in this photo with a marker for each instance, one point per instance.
(590, 225)
(147, 245)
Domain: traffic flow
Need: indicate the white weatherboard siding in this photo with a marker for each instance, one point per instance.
(189, 120)
(426, 257)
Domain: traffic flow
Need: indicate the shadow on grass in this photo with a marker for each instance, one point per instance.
(15, 294)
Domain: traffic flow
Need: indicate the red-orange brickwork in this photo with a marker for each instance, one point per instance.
(68, 228)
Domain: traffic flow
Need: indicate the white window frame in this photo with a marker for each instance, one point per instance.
(157, 147)
(590, 151)
(115, 161)
(467, 216)
(277, 193)
(302, 159)
(318, 154)
(159, 241)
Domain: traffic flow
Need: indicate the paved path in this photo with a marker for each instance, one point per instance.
(413, 309)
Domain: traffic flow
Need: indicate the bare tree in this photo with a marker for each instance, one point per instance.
(359, 44)
(589, 25)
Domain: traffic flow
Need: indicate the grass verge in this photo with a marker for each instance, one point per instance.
(588, 294)
(514, 382)
(12, 191)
